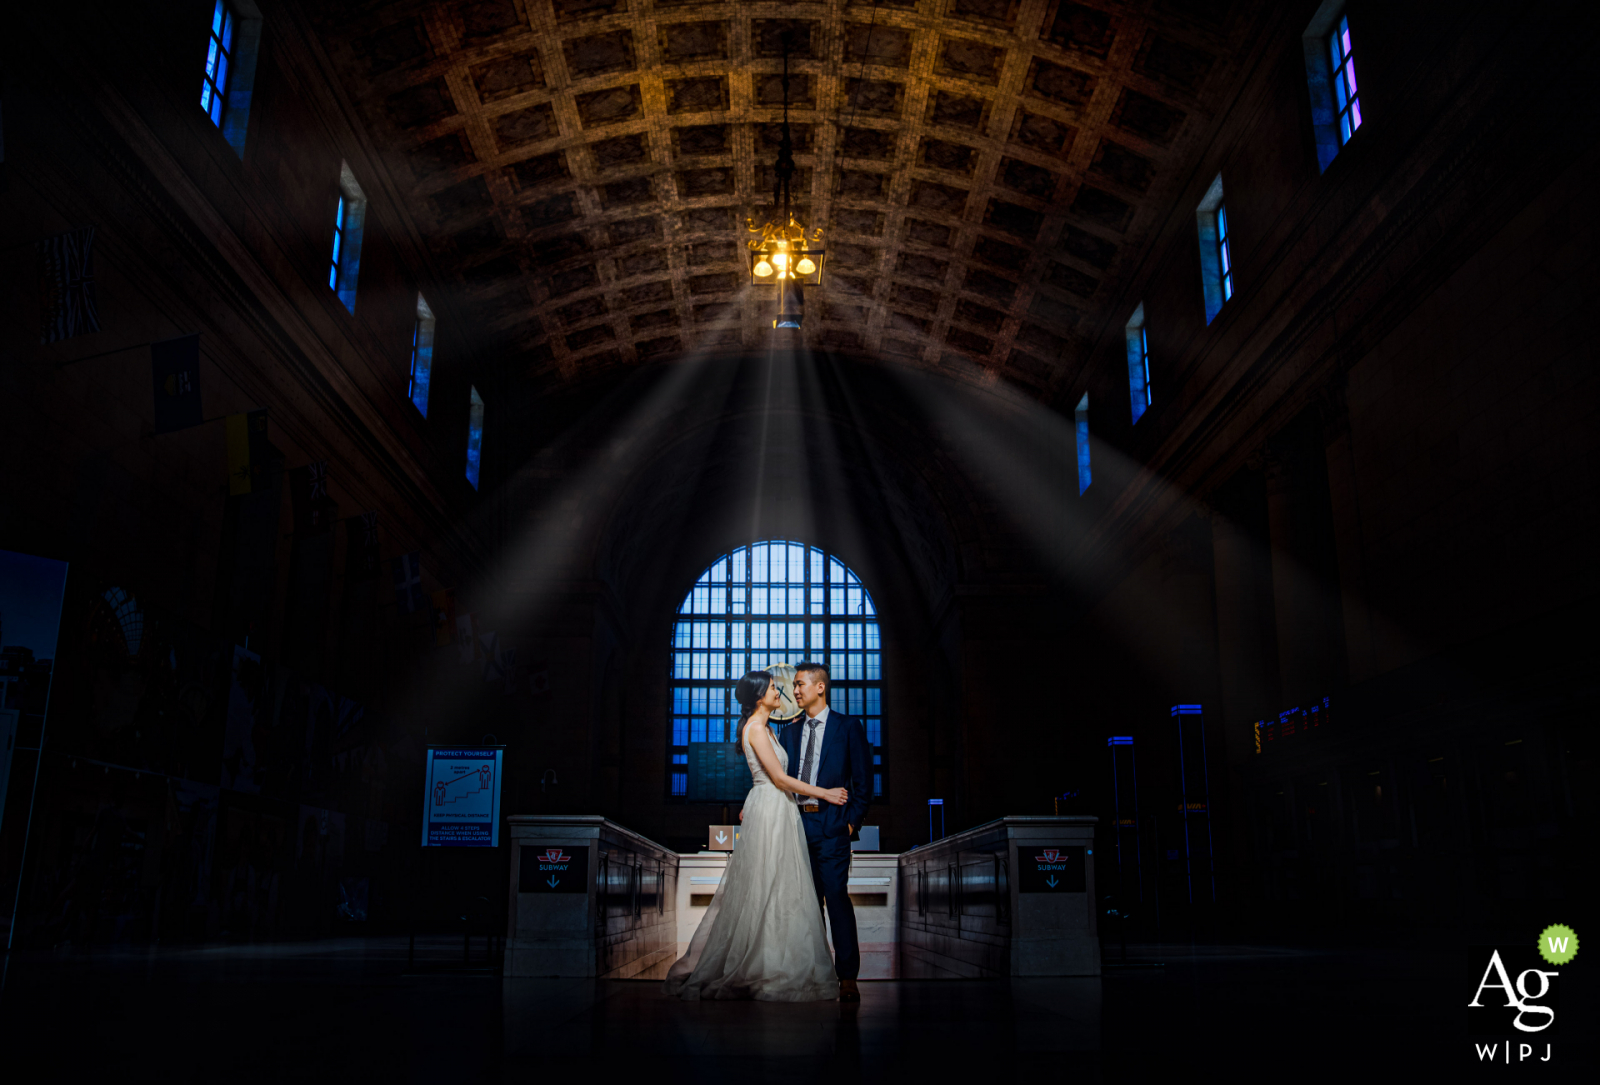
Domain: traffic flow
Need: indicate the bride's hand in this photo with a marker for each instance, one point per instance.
(836, 795)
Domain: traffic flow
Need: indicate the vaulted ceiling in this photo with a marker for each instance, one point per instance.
(984, 170)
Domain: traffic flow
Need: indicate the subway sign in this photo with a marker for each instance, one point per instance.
(1050, 868)
(553, 869)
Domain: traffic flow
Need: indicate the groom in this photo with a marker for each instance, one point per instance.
(829, 749)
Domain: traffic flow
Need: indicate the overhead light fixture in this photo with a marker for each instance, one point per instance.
(785, 255)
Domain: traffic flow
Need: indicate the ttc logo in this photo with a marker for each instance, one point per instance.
(1051, 855)
(553, 869)
(553, 863)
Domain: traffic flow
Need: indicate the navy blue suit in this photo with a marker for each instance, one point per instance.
(846, 761)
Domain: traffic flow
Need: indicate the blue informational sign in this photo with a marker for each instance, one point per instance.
(461, 800)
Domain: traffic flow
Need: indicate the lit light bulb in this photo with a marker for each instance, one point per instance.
(781, 259)
(805, 266)
(762, 269)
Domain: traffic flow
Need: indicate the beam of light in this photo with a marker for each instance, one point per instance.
(1027, 454)
(538, 561)
(826, 391)
(1012, 454)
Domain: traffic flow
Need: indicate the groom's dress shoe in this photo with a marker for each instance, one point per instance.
(848, 991)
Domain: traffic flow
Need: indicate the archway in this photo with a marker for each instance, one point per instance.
(771, 602)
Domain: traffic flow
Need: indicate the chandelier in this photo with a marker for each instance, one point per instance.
(785, 254)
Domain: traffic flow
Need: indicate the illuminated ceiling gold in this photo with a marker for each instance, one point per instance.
(985, 171)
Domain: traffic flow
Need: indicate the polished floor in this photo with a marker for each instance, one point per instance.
(355, 1011)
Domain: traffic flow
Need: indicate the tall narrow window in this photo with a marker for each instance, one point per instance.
(421, 355)
(1216, 249)
(349, 216)
(219, 57)
(340, 246)
(1138, 363)
(232, 42)
(1347, 97)
(1331, 80)
(1081, 418)
(475, 438)
(1224, 261)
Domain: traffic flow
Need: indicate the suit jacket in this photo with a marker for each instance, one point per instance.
(846, 762)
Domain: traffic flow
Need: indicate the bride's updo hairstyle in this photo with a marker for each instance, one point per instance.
(748, 692)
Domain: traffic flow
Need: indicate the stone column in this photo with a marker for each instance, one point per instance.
(1348, 543)
(1298, 608)
(1246, 665)
(1242, 655)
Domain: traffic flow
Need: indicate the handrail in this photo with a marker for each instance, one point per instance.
(1018, 820)
(595, 820)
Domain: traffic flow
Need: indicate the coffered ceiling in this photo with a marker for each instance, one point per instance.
(983, 170)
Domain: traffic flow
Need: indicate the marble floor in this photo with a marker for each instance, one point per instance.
(355, 1010)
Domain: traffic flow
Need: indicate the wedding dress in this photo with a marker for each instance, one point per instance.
(762, 936)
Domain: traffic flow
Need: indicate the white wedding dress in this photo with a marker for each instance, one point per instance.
(763, 936)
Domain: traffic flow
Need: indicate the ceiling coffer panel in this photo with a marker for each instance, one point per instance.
(984, 171)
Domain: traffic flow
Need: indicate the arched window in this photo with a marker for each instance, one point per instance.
(763, 604)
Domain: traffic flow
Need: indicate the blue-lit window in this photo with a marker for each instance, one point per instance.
(763, 604)
(233, 40)
(349, 219)
(1080, 417)
(1347, 98)
(1331, 81)
(474, 438)
(338, 244)
(339, 219)
(1138, 363)
(219, 59)
(1224, 257)
(421, 356)
(1216, 250)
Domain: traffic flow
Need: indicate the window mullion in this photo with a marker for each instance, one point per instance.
(798, 626)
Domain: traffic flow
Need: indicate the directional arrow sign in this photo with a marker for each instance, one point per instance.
(722, 838)
(1051, 868)
(546, 868)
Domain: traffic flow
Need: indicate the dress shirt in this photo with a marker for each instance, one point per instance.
(816, 755)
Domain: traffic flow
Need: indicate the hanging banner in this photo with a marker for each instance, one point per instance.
(461, 797)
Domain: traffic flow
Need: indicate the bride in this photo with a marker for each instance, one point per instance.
(762, 937)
